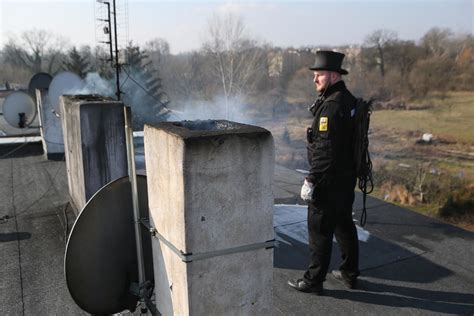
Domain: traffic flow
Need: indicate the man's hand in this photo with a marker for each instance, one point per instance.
(307, 191)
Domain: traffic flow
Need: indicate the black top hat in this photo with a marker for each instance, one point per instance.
(329, 60)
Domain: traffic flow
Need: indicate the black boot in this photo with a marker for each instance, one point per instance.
(350, 283)
(304, 286)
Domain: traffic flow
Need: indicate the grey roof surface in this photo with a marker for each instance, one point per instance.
(32, 239)
(411, 264)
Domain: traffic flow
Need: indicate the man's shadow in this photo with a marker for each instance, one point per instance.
(403, 296)
(293, 254)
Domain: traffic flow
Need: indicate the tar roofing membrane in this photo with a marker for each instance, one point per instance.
(410, 264)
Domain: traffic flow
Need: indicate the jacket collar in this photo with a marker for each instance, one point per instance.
(338, 86)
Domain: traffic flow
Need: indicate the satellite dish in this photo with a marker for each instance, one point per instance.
(63, 83)
(101, 256)
(40, 80)
(19, 110)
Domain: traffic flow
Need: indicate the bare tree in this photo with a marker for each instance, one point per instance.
(434, 74)
(465, 62)
(402, 57)
(301, 87)
(379, 41)
(420, 178)
(234, 56)
(36, 50)
(11, 74)
(157, 50)
(184, 78)
(435, 41)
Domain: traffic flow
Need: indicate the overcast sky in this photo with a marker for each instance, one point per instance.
(281, 23)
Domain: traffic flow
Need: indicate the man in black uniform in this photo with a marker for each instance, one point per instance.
(329, 187)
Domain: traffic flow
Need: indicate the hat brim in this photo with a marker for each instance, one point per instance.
(341, 71)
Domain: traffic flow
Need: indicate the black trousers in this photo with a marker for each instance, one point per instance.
(329, 214)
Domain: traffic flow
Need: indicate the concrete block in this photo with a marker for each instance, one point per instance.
(210, 189)
(95, 147)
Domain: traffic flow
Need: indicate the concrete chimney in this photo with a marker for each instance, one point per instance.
(211, 202)
(94, 142)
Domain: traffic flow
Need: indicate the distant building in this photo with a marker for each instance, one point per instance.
(275, 64)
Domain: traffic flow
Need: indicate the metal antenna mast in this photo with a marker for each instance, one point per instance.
(113, 45)
(108, 31)
(117, 65)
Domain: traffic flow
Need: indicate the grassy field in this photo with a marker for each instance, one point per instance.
(451, 119)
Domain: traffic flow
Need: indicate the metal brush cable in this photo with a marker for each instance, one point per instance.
(363, 161)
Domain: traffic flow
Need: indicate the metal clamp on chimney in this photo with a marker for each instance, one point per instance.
(190, 257)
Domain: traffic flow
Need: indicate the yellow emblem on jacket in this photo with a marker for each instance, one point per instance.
(323, 124)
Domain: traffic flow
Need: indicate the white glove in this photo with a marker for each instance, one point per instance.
(307, 191)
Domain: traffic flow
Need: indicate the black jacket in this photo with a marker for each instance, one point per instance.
(331, 140)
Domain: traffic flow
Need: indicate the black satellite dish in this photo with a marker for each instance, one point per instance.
(41, 80)
(100, 263)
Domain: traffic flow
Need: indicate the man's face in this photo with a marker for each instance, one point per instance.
(321, 79)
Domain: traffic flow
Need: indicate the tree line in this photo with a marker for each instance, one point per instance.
(234, 67)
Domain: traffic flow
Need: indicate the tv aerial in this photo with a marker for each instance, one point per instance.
(107, 31)
(19, 110)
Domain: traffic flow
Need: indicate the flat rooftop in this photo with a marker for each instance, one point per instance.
(410, 264)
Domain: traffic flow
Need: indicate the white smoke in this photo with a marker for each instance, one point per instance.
(234, 109)
(95, 84)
